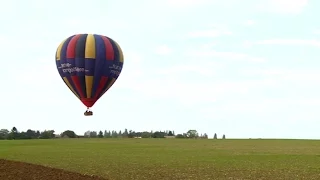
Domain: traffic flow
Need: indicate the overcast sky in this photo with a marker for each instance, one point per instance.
(246, 68)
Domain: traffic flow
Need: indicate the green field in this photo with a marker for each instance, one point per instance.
(173, 158)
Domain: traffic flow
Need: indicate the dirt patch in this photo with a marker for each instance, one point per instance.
(13, 170)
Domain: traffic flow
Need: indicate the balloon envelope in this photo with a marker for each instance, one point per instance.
(89, 64)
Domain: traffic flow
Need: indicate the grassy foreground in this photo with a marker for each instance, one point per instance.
(121, 159)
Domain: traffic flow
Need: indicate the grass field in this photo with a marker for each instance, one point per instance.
(121, 159)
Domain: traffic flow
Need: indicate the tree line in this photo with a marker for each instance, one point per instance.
(5, 134)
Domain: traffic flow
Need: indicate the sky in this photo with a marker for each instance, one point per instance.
(246, 69)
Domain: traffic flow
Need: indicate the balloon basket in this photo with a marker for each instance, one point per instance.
(88, 113)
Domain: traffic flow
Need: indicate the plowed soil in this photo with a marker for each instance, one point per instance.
(13, 170)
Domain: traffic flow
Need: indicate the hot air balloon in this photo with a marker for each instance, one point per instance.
(89, 64)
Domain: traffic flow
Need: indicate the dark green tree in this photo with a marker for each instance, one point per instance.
(125, 133)
(158, 134)
(205, 136)
(180, 136)
(47, 134)
(215, 136)
(14, 133)
(31, 134)
(4, 133)
(100, 135)
(69, 134)
(192, 134)
(93, 134)
(145, 134)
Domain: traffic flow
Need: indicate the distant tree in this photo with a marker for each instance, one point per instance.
(31, 134)
(137, 134)
(205, 136)
(93, 134)
(125, 133)
(192, 134)
(109, 134)
(87, 134)
(23, 135)
(47, 134)
(145, 134)
(215, 136)
(69, 134)
(38, 134)
(180, 136)
(114, 134)
(100, 135)
(170, 133)
(14, 133)
(224, 137)
(4, 133)
(14, 130)
(105, 134)
(158, 134)
(131, 134)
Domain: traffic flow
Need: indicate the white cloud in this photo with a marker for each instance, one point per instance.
(284, 6)
(309, 42)
(267, 72)
(227, 55)
(209, 33)
(207, 70)
(267, 106)
(317, 31)
(249, 22)
(133, 57)
(38, 74)
(131, 71)
(175, 85)
(208, 45)
(163, 50)
(193, 92)
(300, 101)
(303, 76)
(247, 44)
(187, 93)
(186, 3)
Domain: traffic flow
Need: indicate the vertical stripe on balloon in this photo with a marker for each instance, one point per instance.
(80, 60)
(71, 49)
(66, 66)
(70, 87)
(108, 85)
(90, 55)
(71, 52)
(99, 63)
(109, 48)
(90, 51)
(120, 52)
(115, 50)
(102, 84)
(58, 53)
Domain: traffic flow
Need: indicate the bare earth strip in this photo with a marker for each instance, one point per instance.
(14, 170)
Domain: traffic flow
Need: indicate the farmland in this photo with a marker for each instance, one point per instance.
(123, 158)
